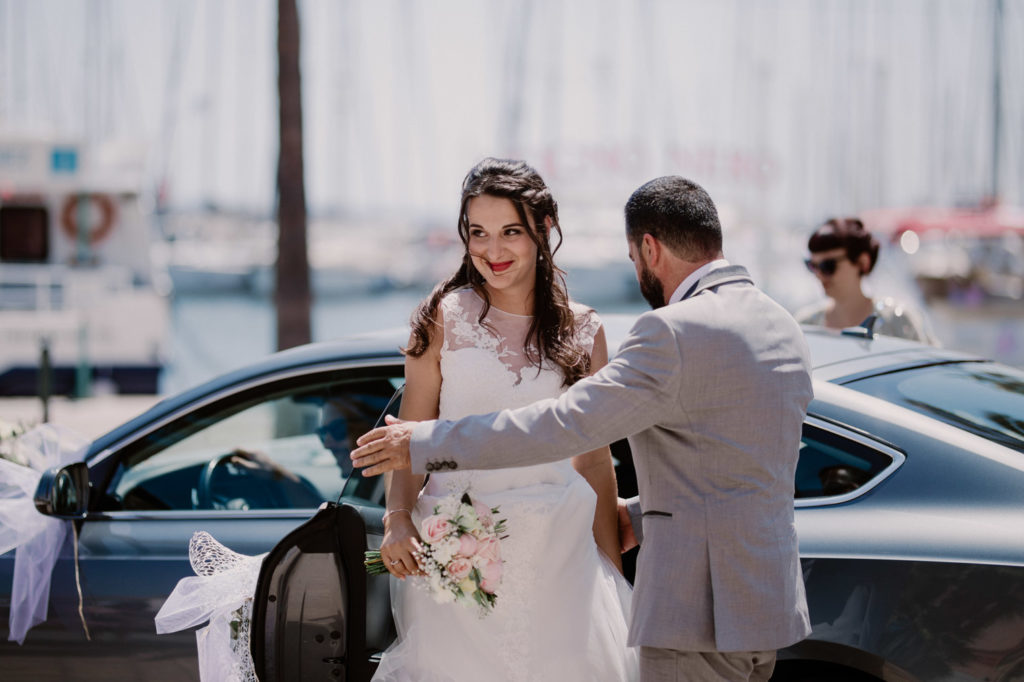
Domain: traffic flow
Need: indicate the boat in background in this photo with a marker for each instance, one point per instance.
(76, 279)
(965, 255)
(217, 252)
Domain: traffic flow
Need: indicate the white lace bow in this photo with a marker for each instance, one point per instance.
(221, 592)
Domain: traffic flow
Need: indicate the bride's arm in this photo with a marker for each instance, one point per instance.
(419, 401)
(596, 466)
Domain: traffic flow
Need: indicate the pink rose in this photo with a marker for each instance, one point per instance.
(435, 528)
(459, 569)
(483, 512)
(491, 576)
(467, 545)
(488, 548)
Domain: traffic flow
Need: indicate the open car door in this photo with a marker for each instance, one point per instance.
(316, 614)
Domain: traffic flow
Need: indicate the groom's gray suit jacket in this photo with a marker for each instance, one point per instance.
(712, 392)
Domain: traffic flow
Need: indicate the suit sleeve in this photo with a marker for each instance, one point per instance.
(632, 392)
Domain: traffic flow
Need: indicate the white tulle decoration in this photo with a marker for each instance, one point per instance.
(221, 592)
(38, 538)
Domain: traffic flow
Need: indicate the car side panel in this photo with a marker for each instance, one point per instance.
(931, 620)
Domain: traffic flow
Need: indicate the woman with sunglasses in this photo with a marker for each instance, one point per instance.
(843, 251)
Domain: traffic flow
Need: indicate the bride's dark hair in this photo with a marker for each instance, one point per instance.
(552, 332)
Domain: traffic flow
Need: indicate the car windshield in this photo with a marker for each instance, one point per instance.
(984, 398)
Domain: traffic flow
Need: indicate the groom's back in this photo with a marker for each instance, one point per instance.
(745, 368)
(721, 465)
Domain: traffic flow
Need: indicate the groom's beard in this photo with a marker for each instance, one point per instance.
(650, 287)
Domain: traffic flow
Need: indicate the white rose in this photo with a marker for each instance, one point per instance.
(471, 522)
(449, 507)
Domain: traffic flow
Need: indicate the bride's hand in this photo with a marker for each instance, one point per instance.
(400, 543)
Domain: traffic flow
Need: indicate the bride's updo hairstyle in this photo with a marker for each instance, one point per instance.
(552, 332)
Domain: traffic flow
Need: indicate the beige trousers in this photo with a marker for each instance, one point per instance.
(668, 665)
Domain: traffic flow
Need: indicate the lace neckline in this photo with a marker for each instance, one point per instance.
(494, 307)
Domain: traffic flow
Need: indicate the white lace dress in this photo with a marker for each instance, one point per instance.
(562, 609)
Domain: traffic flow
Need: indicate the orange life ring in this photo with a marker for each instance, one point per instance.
(98, 232)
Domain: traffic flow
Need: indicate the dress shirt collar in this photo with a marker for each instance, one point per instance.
(694, 277)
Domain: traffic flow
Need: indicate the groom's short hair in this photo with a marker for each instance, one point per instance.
(678, 213)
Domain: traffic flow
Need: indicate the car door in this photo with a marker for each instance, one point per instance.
(247, 464)
(316, 614)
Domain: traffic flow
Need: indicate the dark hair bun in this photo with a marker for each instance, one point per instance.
(845, 233)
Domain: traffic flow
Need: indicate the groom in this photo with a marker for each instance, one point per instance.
(711, 387)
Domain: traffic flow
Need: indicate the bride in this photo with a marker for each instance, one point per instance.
(501, 332)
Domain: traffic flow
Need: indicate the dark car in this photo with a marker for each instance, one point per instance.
(909, 496)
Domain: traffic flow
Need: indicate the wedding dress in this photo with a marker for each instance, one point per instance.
(562, 608)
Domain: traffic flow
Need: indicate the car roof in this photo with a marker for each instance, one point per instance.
(840, 357)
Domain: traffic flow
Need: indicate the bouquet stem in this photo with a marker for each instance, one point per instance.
(374, 563)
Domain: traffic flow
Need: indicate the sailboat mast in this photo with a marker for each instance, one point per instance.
(997, 66)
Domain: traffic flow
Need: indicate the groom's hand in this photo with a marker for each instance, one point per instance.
(385, 448)
(627, 536)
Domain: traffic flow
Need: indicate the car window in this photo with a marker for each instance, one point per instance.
(983, 398)
(283, 445)
(836, 463)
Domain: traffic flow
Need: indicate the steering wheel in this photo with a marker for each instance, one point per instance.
(204, 493)
(264, 484)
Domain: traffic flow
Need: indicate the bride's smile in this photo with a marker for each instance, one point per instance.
(498, 268)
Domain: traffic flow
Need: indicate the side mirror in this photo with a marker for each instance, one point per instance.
(64, 492)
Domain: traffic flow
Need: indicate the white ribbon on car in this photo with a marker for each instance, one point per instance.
(221, 592)
(37, 537)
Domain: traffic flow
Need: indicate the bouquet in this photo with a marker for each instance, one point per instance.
(460, 555)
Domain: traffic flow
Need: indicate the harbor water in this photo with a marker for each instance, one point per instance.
(213, 334)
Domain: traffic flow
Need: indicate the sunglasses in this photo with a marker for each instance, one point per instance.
(826, 267)
(336, 430)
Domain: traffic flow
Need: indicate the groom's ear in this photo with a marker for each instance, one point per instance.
(650, 249)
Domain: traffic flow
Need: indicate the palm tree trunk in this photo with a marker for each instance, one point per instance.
(292, 292)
